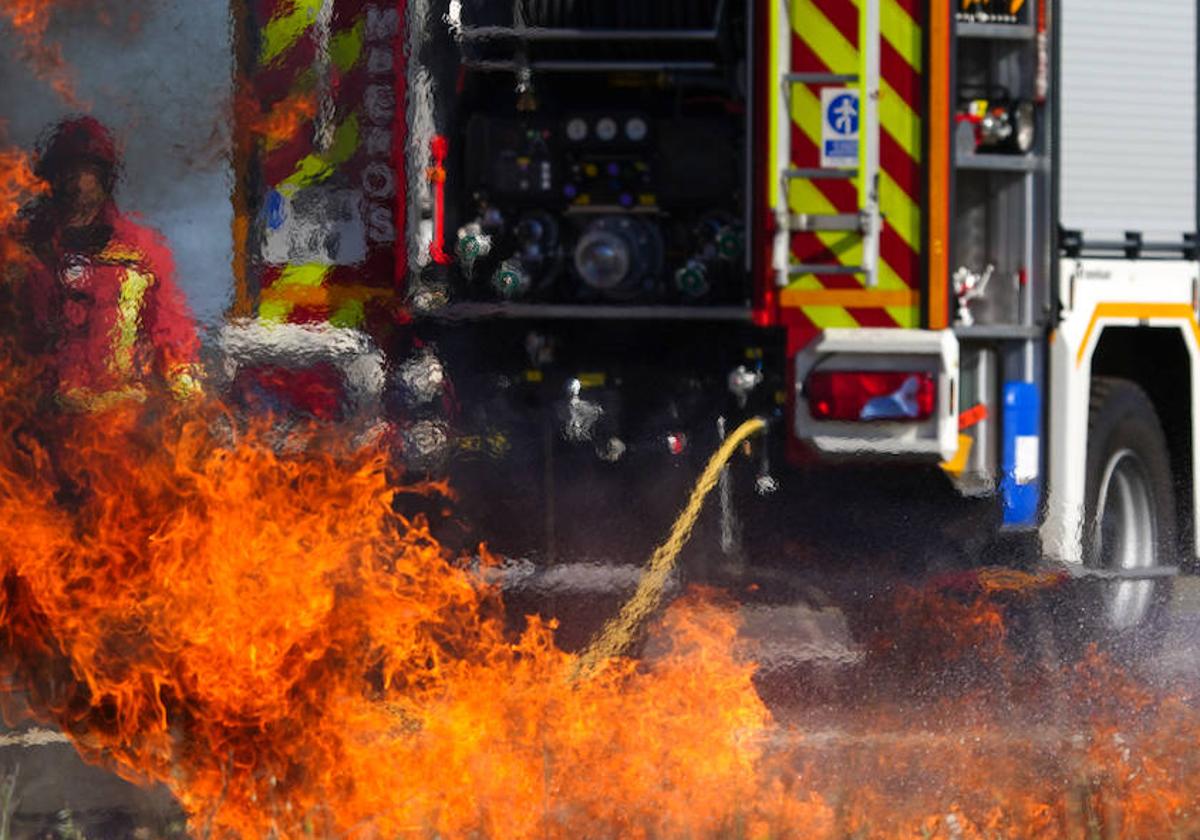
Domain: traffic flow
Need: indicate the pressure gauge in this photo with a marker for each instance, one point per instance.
(635, 129)
(577, 129)
(606, 128)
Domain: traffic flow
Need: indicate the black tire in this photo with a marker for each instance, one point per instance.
(1128, 461)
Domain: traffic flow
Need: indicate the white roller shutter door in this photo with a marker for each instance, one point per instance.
(1128, 117)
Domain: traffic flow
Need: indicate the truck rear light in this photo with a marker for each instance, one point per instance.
(871, 395)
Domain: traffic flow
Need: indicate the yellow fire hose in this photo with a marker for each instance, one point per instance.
(619, 632)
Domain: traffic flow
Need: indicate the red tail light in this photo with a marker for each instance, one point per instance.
(871, 395)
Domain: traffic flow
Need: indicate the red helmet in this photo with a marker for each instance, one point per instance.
(76, 140)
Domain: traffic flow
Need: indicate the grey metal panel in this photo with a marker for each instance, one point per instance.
(1128, 133)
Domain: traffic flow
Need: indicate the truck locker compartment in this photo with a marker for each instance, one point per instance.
(919, 352)
(1127, 117)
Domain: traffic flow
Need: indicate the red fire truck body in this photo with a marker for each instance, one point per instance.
(955, 241)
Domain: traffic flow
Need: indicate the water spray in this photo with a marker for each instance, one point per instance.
(619, 632)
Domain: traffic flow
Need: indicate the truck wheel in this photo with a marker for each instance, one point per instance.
(1129, 521)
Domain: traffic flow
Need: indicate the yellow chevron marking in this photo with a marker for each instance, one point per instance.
(846, 247)
(896, 118)
(315, 168)
(900, 211)
(345, 48)
(899, 121)
(901, 32)
(284, 30)
(306, 274)
(907, 317)
(829, 317)
(823, 38)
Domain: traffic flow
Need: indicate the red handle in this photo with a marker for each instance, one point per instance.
(438, 147)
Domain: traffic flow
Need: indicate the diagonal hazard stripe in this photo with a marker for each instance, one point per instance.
(899, 121)
(900, 210)
(284, 30)
(843, 14)
(829, 317)
(847, 249)
(816, 30)
(839, 56)
(901, 32)
(315, 168)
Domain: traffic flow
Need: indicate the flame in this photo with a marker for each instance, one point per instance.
(18, 185)
(282, 122)
(267, 637)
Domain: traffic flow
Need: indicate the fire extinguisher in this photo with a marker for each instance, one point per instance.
(998, 123)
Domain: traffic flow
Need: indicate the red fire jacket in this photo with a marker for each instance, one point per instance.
(112, 322)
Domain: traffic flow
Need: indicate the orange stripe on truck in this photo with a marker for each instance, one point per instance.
(860, 298)
(1173, 311)
(938, 316)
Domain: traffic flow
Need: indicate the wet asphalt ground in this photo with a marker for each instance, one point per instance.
(803, 645)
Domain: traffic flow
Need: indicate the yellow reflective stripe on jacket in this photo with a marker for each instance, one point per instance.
(86, 400)
(129, 316)
(184, 381)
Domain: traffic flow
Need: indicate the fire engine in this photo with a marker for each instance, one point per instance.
(943, 246)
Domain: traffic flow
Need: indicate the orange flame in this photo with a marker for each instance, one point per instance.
(282, 122)
(18, 185)
(269, 639)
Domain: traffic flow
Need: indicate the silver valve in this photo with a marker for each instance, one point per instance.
(968, 286)
(742, 381)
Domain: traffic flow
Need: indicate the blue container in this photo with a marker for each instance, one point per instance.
(1021, 481)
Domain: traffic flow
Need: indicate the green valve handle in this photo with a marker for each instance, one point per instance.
(729, 243)
(692, 279)
(510, 280)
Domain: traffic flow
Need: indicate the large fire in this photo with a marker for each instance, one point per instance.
(294, 658)
(271, 637)
(290, 656)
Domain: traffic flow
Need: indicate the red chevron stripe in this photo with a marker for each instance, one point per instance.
(899, 257)
(276, 80)
(264, 10)
(875, 316)
(844, 17)
(902, 169)
(281, 162)
(893, 250)
(804, 60)
(800, 332)
(842, 194)
(899, 74)
(913, 9)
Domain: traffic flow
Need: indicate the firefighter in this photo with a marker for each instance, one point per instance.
(102, 310)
